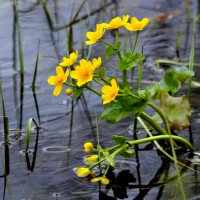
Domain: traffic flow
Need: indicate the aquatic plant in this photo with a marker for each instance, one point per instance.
(120, 99)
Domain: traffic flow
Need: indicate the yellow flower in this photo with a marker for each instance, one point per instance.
(116, 22)
(88, 147)
(68, 91)
(103, 180)
(137, 25)
(95, 36)
(96, 62)
(109, 92)
(83, 73)
(91, 159)
(69, 61)
(82, 171)
(58, 80)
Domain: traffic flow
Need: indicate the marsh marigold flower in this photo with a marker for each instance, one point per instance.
(116, 22)
(88, 147)
(58, 80)
(95, 36)
(69, 61)
(109, 92)
(83, 73)
(82, 171)
(91, 159)
(137, 25)
(103, 180)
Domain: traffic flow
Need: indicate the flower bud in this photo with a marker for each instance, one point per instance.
(88, 147)
(68, 91)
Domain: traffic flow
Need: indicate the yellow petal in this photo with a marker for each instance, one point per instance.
(52, 80)
(57, 90)
(82, 171)
(106, 89)
(59, 70)
(90, 35)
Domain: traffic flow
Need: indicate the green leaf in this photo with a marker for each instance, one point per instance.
(176, 110)
(128, 62)
(119, 139)
(124, 106)
(175, 77)
(111, 50)
(171, 82)
(114, 113)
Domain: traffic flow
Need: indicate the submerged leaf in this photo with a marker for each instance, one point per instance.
(176, 110)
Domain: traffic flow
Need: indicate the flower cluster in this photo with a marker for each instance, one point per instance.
(82, 74)
(116, 23)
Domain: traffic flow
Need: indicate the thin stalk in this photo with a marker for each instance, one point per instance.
(161, 137)
(71, 123)
(164, 119)
(178, 41)
(125, 41)
(191, 61)
(93, 90)
(100, 83)
(148, 119)
(36, 66)
(171, 62)
(5, 119)
(187, 10)
(28, 132)
(134, 44)
(69, 84)
(124, 78)
(20, 45)
(139, 76)
(110, 45)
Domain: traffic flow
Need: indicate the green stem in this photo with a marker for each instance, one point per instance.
(100, 83)
(152, 123)
(124, 78)
(158, 145)
(134, 44)
(69, 84)
(161, 115)
(161, 137)
(110, 45)
(139, 76)
(93, 90)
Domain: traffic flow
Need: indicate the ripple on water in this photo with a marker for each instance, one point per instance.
(56, 149)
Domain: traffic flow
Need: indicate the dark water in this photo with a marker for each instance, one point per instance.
(59, 151)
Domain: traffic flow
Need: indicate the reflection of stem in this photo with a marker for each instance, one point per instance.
(71, 123)
(36, 104)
